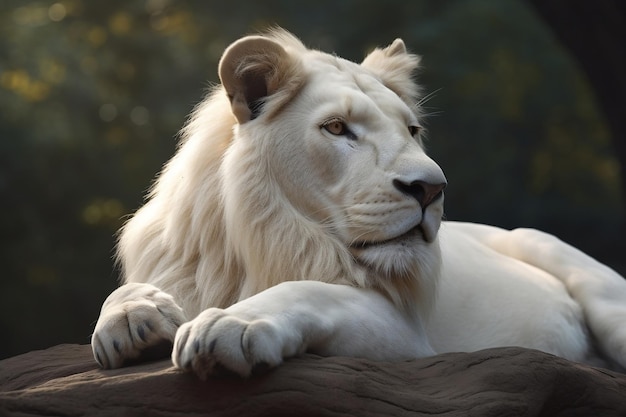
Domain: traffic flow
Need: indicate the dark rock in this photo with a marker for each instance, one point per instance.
(65, 381)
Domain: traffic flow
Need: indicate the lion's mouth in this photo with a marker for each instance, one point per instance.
(417, 231)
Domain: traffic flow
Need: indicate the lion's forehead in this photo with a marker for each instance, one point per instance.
(347, 84)
(328, 68)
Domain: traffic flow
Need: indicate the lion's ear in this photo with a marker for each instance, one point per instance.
(395, 67)
(253, 69)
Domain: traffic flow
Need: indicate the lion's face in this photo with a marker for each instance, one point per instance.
(354, 161)
(342, 144)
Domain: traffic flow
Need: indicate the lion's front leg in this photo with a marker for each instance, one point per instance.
(293, 317)
(134, 319)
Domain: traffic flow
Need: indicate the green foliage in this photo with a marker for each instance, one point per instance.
(93, 93)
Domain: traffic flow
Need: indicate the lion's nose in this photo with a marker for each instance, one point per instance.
(424, 192)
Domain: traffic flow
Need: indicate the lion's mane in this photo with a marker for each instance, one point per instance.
(217, 227)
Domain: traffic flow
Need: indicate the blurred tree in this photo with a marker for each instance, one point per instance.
(595, 32)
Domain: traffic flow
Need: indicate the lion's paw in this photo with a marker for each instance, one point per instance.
(218, 341)
(136, 320)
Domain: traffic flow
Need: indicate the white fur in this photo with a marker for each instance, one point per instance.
(276, 234)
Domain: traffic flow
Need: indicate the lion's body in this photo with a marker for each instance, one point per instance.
(488, 299)
(301, 202)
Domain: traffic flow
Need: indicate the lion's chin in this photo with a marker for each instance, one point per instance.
(395, 255)
(398, 254)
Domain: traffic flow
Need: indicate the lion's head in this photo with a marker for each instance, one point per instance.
(302, 165)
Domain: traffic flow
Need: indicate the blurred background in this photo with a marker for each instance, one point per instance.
(92, 94)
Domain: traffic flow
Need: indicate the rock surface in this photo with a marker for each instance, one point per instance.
(65, 381)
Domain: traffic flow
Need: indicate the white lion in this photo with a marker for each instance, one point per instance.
(301, 213)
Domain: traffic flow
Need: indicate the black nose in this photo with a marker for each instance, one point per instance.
(424, 192)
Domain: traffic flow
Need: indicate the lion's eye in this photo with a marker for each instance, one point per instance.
(414, 130)
(336, 127)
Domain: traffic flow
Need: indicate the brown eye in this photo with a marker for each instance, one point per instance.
(335, 127)
(414, 130)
